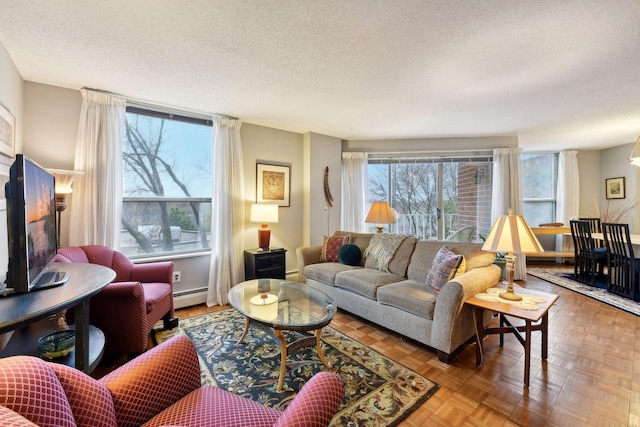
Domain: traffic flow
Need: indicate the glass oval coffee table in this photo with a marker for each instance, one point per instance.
(275, 306)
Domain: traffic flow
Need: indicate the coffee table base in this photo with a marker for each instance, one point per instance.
(277, 334)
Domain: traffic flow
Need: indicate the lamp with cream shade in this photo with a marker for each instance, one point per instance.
(265, 214)
(64, 179)
(512, 235)
(380, 213)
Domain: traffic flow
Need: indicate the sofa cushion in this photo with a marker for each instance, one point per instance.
(400, 260)
(350, 254)
(409, 295)
(443, 268)
(326, 272)
(331, 246)
(365, 281)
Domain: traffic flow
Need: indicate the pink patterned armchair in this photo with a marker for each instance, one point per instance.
(160, 387)
(127, 309)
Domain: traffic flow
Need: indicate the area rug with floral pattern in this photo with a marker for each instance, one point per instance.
(565, 277)
(378, 391)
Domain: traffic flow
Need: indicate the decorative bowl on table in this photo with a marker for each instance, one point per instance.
(57, 344)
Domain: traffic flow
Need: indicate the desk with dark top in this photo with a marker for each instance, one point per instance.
(85, 280)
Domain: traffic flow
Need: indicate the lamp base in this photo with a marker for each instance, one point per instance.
(380, 227)
(264, 236)
(510, 295)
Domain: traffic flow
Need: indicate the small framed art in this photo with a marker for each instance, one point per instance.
(7, 133)
(273, 184)
(614, 188)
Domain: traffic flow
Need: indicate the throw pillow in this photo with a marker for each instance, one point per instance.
(442, 268)
(350, 254)
(331, 246)
(462, 267)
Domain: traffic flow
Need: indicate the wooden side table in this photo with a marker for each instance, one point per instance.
(522, 333)
(264, 264)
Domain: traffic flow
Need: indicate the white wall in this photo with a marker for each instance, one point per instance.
(277, 147)
(614, 163)
(321, 220)
(11, 98)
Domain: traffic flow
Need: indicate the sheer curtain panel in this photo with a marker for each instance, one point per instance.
(227, 216)
(568, 194)
(97, 195)
(355, 187)
(507, 193)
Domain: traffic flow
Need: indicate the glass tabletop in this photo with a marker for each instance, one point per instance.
(282, 303)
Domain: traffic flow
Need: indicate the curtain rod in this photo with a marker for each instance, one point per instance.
(146, 103)
(485, 150)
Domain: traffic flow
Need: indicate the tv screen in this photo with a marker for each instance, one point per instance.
(31, 225)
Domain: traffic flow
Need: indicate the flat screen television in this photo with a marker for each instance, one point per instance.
(31, 227)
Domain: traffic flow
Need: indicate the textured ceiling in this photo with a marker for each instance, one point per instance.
(557, 73)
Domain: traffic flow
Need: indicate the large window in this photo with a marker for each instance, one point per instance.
(539, 182)
(433, 198)
(166, 183)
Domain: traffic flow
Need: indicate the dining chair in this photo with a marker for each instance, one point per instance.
(589, 259)
(596, 227)
(622, 265)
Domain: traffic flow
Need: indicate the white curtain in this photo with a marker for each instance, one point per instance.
(355, 187)
(95, 217)
(507, 193)
(227, 211)
(568, 194)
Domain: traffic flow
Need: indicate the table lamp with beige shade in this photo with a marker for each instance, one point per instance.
(265, 214)
(380, 213)
(512, 235)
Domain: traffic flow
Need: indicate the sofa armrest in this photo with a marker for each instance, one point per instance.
(153, 381)
(450, 301)
(161, 272)
(315, 404)
(305, 256)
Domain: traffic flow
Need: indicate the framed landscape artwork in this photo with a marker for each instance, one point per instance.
(273, 184)
(614, 188)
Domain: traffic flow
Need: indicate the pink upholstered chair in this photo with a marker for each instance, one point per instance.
(160, 387)
(127, 309)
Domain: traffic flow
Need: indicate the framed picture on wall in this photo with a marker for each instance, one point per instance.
(273, 184)
(614, 188)
(7, 135)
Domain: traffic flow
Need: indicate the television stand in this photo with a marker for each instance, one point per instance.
(85, 280)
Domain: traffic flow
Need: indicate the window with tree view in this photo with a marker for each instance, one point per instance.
(539, 182)
(435, 198)
(166, 183)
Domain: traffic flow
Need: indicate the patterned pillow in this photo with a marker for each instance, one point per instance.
(443, 268)
(331, 247)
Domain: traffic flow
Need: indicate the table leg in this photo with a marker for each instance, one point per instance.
(82, 335)
(544, 327)
(527, 352)
(501, 334)
(478, 315)
(246, 329)
(319, 349)
(283, 356)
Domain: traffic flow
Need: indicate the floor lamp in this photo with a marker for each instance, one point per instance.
(64, 179)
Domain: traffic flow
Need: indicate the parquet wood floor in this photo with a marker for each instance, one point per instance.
(592, 375)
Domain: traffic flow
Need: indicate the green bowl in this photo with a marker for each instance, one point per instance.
(57, 344)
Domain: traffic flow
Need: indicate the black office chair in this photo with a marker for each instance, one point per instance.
(589, 259)
(623, 265)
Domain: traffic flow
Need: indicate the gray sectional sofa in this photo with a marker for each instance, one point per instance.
(400, 299)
